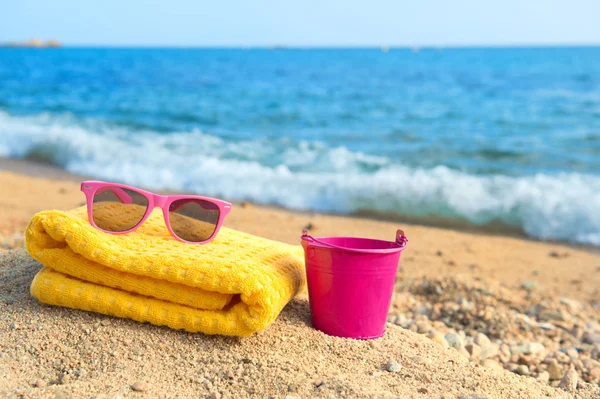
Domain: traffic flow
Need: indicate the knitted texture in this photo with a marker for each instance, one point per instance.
(235, 285)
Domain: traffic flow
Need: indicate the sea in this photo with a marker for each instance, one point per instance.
(468, 136)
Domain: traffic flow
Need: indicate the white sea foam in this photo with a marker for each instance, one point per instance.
(303, 175)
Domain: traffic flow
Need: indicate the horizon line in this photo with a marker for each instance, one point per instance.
(317, 46)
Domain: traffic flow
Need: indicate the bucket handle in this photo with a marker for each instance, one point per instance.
(401, 239)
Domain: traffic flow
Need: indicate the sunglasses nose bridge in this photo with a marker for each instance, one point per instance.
(159, 201)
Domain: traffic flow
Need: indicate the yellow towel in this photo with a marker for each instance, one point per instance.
(235, 285)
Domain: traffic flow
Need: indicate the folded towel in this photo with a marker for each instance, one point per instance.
(235, 285)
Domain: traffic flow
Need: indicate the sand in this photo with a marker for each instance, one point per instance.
(451, 286)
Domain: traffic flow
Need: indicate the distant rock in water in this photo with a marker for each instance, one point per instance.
(34, 43)
(53, 43)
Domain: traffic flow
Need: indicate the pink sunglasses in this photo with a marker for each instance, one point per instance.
(118, 209)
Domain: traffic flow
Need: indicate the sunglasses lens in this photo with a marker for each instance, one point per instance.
(193, 220)
(118, 209)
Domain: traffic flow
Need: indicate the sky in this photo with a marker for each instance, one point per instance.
(303, 23)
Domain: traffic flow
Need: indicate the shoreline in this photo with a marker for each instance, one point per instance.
(35, 168)
(432, 251)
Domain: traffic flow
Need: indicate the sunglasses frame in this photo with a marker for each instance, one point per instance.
(90, 188)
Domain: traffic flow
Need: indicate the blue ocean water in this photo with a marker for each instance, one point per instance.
(509, 135)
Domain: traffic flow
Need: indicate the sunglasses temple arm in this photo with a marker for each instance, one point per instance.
(175, 205)
(123, 196)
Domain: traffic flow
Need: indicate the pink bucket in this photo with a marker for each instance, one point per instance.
(350, 283)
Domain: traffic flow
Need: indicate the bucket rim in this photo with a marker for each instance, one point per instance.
(401, 243)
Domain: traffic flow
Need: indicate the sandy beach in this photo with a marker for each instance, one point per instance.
(474, 315)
